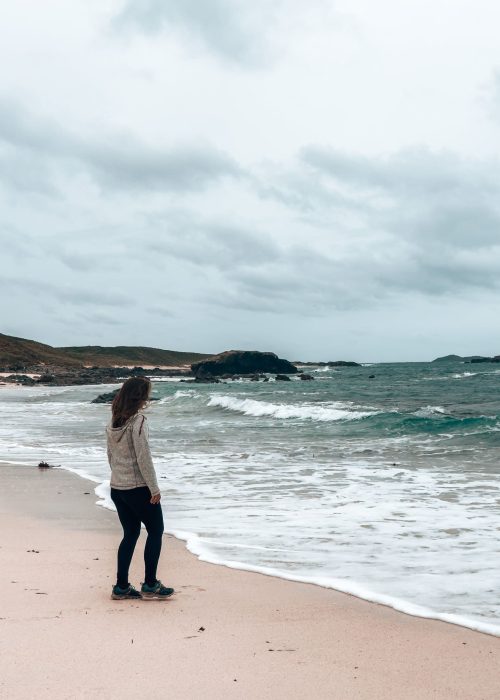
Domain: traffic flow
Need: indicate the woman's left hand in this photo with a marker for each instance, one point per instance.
(155, 499)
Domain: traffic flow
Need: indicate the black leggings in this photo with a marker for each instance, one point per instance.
(133, 507)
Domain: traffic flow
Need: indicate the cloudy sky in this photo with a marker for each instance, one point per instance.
(320, 179)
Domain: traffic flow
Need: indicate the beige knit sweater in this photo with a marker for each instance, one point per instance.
(129, 455)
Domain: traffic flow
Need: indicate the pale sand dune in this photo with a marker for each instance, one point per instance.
(62, 637)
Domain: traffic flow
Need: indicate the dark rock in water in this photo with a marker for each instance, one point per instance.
(248, 377)
(336, 363)
(59, 375)
(105, 398)
(65, 376)
(242, 362)
(46, 378)
(108, 398)
(371, 376)
(342, 363)
(282, 378)
(20, 379)
(206, 380)
(306, 377)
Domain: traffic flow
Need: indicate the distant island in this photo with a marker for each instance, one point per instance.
(468, 358)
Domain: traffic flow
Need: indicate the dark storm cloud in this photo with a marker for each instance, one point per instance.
(227, 28)
(436, 200)
(251, 270)
(431, 222)
(416, 222)
(34, 151)
(140, 167)
(208, 244)
(409, 173)
(19, 127)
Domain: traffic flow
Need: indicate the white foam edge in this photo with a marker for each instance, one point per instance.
(194, 544)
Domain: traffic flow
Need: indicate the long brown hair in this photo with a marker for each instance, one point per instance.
(133, 395)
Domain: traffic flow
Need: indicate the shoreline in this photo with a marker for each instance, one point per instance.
(188, 540)
(262, 636)
(402, 606)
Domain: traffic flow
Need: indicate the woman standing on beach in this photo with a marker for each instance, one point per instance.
(134, 489)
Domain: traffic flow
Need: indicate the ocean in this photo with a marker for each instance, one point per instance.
(383, 487)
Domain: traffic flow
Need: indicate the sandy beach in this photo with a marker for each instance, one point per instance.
(226, 633)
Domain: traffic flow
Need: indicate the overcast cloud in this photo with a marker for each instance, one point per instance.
(321, 180)
(233, 29)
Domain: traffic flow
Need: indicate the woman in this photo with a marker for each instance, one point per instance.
(134, 489)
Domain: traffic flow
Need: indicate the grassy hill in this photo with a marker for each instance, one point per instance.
(21, 351)
(131, 355)
(24, 352)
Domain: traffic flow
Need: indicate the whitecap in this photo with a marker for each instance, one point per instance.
(319, 412)
(430, 411)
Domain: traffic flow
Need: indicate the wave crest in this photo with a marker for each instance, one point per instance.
(430, 411)
(323, 412)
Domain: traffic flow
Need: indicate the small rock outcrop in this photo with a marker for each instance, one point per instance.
(343, 363)
(282, 378)
(306, 377)
(108, 398)
(242, 362)
(485, 359)
(19, 379)
(331, 363)
(105, 398)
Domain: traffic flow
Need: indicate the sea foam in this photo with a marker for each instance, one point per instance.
(330, 411)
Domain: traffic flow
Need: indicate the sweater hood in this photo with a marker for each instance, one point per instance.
(116, 434)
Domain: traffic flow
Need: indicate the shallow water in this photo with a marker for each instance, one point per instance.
(384, 487)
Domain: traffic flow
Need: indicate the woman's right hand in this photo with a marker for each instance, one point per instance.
(155, 499)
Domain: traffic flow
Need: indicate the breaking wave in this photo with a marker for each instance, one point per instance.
(430, 411)
(323, 412)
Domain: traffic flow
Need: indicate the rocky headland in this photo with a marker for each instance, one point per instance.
(29, 363)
